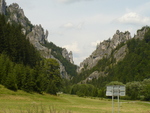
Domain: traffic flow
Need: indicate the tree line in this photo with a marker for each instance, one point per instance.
(21, 65)
(134, 67)
(135, 90)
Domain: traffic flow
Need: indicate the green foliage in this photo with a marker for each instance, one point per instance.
(133, 90)
(51, 70)
(134, 67)
(138, 90)
(13, 42)
(115, 83)
(147, 36)
(57, 53)
(45, 77)
(84, 90)
(146, 89)
(21, 66)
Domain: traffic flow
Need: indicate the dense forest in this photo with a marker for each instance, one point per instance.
(21, 66)
(133, 70)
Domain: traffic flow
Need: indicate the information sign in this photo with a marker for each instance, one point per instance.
(115, 90)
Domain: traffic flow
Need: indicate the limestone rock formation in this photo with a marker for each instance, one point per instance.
(71, 57)
(16, 14)
(94, 75)
(121, 53)
(2, 7)
(104, 49)
(35, 34)
(67, 55)
(37, 37)
(140, 33)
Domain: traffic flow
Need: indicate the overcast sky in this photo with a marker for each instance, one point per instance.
(79, 25)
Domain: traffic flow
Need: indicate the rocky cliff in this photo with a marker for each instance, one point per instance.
(67, 55)
(115, 48)
(37, 37)
(2, 7)
(105, 48)
(34, 33)
(141, 32)
(16, 15)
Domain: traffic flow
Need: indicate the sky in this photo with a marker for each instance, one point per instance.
(79, 25)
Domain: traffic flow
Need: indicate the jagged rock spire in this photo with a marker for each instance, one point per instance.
(104, 49)
(67, 55)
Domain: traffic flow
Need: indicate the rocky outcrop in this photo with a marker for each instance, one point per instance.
(94, 75)
(2, 7)
(71, 57)
(37, 37)
(63, 72)
(121, 53)
(67, 55)
(16, 14)
(35, 34)
(141, 32)
(104, 49)
(39, 34)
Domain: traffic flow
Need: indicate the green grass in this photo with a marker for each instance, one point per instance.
(22, 102)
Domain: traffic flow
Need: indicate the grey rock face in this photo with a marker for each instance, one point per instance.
(39, 34)
(67, 55)
(94, 75)
(16, 14)
(36, 37)
(121, 53)
(104, 49)
(35, 34)
(63, 72)
(71, 57)
(2, 7)
(141, 33)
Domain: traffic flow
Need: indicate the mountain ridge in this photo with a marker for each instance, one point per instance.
(103, 68)
(34, 33)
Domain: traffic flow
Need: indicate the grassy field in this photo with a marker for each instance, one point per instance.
(22, 102)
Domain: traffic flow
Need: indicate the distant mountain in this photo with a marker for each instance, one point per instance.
(121, 58)
(38, 37)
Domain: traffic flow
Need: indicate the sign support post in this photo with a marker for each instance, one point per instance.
(112, 102)
(118, 101)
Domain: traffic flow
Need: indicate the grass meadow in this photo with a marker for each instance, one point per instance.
(22, 102)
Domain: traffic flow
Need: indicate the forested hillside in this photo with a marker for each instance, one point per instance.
(21, 65)
(133, 70)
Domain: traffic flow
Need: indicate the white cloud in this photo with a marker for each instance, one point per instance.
(72, 47)
(68, 25)
(134, 18)
(94, 44)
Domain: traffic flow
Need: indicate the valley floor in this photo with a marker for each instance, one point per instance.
(22, 102)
